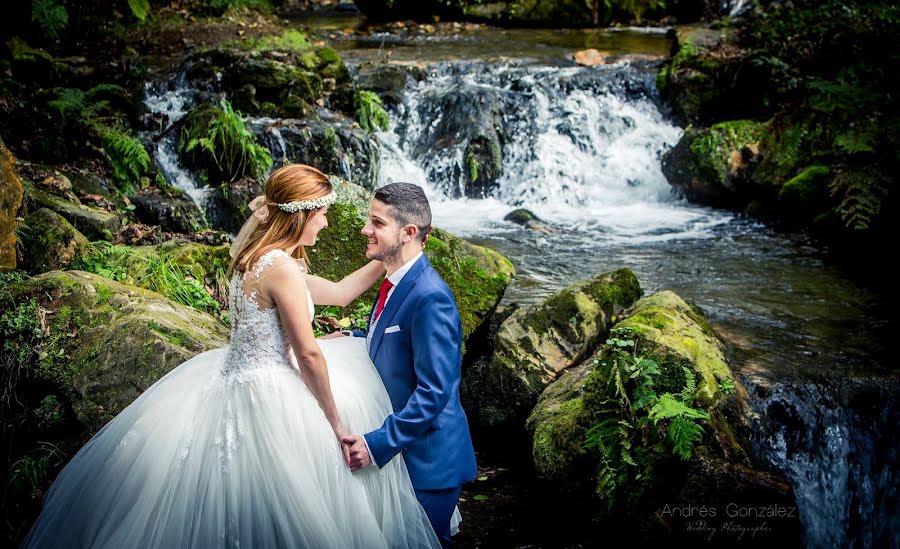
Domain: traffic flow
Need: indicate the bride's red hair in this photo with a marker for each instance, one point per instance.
(282, 230)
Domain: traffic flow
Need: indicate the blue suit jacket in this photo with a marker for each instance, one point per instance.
(421, 367)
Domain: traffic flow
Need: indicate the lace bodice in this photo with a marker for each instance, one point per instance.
(258, 339)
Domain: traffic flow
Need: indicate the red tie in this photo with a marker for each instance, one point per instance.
(382, 296)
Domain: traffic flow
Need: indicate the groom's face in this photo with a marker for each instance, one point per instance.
(383, 232)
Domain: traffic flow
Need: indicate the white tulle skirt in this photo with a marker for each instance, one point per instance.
(247, 459)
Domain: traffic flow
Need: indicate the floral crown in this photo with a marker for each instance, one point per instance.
(315, 204)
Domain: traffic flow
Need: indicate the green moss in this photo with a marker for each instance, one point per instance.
(807, 187)
(711, 148)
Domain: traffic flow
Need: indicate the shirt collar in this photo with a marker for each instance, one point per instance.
(401, 272)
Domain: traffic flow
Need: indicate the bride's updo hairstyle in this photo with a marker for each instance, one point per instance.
(275, 227)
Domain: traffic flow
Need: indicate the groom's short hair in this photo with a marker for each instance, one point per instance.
(408, 205)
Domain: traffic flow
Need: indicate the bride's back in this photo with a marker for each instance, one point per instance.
(258, 338)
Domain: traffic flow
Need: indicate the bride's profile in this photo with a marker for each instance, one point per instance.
(240, 446)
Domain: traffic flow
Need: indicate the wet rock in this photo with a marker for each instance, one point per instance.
(590, 57)
(388, 80)
(228, 207)
(713, 165)
(471, 117)
(170, 209)
(50, 243)
(11, 193)
(332, 142)
(527, 219)
(535, 345)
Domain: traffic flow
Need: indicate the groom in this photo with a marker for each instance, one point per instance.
(415, 341)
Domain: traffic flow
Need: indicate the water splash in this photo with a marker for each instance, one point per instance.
(581, 148)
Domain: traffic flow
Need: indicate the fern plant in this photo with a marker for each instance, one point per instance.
(635, 426)
(370, 111)
(128, 157)
(50, 15)
(230, 146)
(140, 9)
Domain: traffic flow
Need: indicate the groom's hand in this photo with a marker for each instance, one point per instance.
(359, 454)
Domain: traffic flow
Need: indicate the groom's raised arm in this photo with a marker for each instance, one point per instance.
(436, 336)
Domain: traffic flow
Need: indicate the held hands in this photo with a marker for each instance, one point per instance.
(333, 335)
(341, 433)
(359, 454)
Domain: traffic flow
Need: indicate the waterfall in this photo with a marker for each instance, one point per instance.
(169, 103)
(834, 441)
(580, 146)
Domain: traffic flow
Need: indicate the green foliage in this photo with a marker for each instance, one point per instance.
(861, 194)
(82, 112)
(139, 8)
(831, 62)
(291, 40)
(128, 157)
(50, 15)
(74, 106)
(369, 111)
(727, 386)
(636, 426)
(226, 142)
(157, 273)
(32, 470)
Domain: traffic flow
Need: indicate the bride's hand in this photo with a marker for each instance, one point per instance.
(340, 432)
(333, 335)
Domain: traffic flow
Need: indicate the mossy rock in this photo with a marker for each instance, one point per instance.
(11, 193)
(478, 276)
(79, 349)
(50, 242)
(675, 335)
(712, 165)
(94, 223)
(535, 345)
(559, 423)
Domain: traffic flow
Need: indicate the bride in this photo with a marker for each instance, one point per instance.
(240, 446)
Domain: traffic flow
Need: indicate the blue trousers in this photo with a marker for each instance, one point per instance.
(439, 506)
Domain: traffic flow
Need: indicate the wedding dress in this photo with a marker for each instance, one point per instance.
(231, 449)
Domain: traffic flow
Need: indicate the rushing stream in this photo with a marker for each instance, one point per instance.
(582, 149)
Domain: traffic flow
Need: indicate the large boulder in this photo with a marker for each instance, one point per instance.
(11, 192)
(478, 276)
(535, 345)
(632, 455)
(714, 165)
(50, 242)
(78, 349)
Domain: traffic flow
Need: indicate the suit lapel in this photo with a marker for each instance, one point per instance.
(393, 304)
